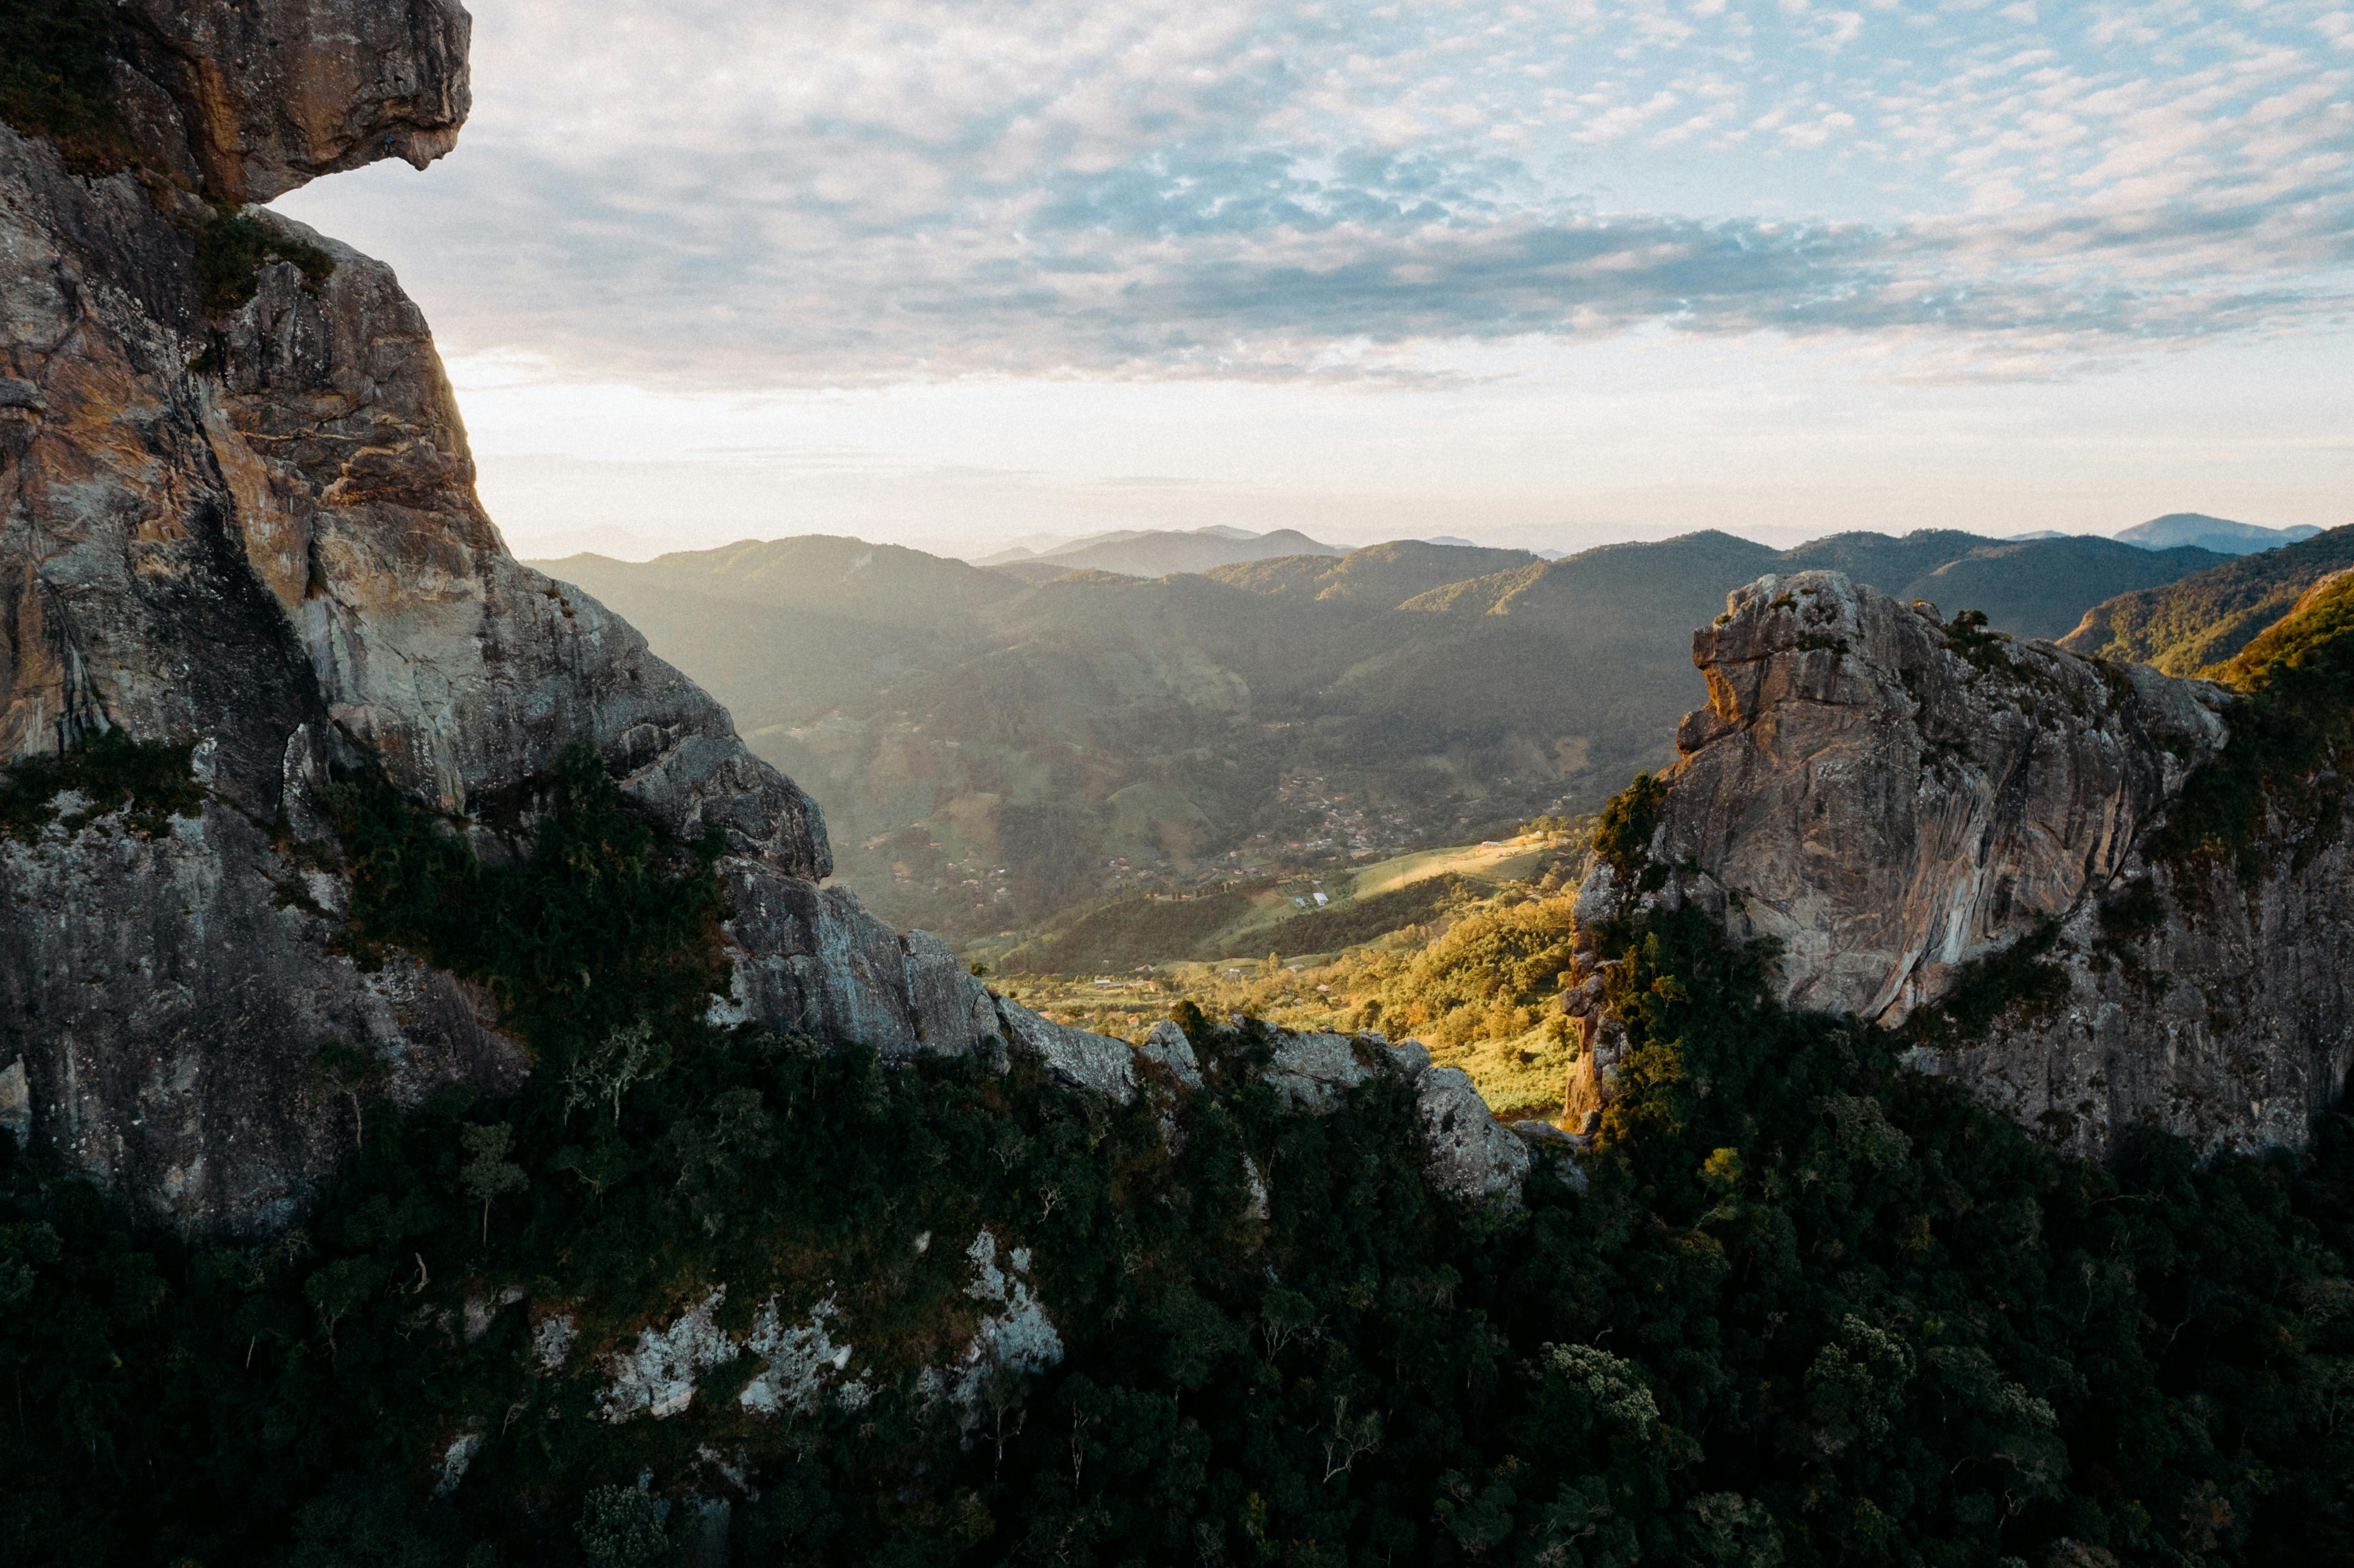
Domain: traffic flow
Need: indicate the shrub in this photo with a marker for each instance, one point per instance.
(233, 247)
(110, 771)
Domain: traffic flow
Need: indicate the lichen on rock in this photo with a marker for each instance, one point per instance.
(1017, 1341)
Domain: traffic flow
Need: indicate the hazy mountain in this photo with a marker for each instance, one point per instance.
(2034, 588)
(1099, 734)
(1378, 577)
(2206, 619)
(2220, 534)
(1157, 554)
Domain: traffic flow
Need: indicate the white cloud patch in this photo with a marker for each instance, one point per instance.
(742, 195)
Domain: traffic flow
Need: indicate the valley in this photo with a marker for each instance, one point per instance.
(995, 754)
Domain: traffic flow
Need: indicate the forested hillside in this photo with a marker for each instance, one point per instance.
(994, 752)
(743, 1298)
(2204, 620)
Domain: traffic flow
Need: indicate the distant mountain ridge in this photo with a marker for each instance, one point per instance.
(1098, 734)
(1157, 553)
(2220, 534)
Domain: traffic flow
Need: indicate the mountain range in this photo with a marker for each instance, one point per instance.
(2191, 626)
(993, 751)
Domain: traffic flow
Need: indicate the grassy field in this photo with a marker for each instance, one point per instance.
(1461, 948)
(1279, 916)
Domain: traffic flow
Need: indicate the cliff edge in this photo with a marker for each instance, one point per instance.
(237, 521)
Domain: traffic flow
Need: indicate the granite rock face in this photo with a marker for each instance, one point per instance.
(1887, 808)
(1890, 797)
(254, 531)
(246, 102)
(2228, 1019)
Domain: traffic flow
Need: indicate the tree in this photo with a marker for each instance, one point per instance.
(486, 1172)
(343, 1068)
(368, 1520)
(620, 1527)
(626, 1056)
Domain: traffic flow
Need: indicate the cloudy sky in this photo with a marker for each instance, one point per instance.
(1534, 274)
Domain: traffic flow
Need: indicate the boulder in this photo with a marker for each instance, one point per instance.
(1081, 1059)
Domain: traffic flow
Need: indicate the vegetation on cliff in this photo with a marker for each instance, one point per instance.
(56, 82)
(2278, 790)
(605, 927)
(108, 771)
(1812, 1307)
(232, 247)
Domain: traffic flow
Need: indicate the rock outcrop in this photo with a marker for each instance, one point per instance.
(1890, 799)
(253, 530)
(243, 102)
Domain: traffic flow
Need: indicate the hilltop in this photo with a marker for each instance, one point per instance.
(2218, 533)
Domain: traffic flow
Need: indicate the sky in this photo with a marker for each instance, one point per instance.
(947, 274)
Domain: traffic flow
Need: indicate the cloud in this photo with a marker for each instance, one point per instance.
(737, 194)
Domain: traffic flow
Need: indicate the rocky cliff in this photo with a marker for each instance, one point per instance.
(1951, 832)
(249, 530)
(237, 518)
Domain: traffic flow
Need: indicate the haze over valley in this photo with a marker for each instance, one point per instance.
(999, 746)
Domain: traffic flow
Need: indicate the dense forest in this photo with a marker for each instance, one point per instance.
(1797, 1305)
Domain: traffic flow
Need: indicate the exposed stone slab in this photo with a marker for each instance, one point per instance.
(1082, 1059)
(1887, 809)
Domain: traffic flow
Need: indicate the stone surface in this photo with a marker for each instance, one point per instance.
(1315, 1072)
(1472, 1155)
(248, 99)
(656, 1376)
(1889, 800)
(813, 960)
(1081, 1059)
(801, 1365)
(1887, 809)
(1014, 1340)
(2231, 1021)
(1168, 1045)
(455, 1460)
